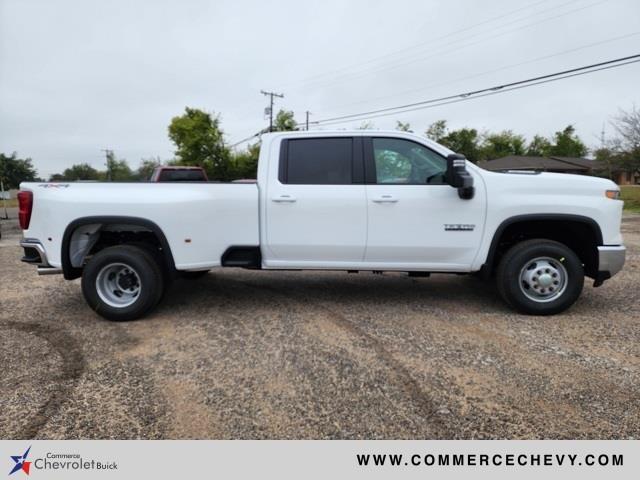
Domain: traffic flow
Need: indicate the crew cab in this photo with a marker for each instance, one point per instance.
(343, 200)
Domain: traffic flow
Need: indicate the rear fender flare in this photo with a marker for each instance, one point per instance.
(70, 272)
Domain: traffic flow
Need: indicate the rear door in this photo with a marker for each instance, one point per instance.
(316, 209)
(416, 220)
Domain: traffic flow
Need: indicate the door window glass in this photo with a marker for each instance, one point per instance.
(404, 162)
(319, 161)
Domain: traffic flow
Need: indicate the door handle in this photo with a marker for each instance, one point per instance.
(385, 199)
(284, 199)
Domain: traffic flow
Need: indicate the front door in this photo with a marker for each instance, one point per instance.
(416, 221)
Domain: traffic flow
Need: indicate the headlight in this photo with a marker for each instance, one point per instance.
(612, 194)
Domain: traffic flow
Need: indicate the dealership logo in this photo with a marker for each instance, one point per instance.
(59, 461)
(21, 462)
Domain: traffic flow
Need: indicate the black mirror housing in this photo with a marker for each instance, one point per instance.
(458, 177)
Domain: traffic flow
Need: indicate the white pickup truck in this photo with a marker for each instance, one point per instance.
(344, 200)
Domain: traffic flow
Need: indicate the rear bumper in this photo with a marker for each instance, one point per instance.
(610, 261)
(35, 254)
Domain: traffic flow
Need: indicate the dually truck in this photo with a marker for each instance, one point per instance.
(341, 200)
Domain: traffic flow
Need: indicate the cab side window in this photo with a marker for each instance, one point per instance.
(403, 162)
(317, 161)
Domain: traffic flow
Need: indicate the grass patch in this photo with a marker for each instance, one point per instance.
(631, 196)
(10, 203)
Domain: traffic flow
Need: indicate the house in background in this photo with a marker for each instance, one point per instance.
(625, 178)
(580, 166)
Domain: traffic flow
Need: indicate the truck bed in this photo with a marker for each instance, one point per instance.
(199, 220)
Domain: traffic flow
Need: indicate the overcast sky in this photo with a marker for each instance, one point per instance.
(79, 76)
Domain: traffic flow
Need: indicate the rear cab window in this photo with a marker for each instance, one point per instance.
(321, 161)
(186, 175)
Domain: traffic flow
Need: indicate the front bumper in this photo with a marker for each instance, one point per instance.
(610, 261)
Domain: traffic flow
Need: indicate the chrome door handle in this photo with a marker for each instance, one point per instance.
(385, 199)
(284, 199)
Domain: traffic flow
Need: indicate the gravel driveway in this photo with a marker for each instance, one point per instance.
(246, 354)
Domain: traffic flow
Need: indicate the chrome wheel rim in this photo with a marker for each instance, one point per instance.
(543, 279)
(118, 285)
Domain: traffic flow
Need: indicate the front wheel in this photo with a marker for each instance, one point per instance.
(540, 277)
(122, 283)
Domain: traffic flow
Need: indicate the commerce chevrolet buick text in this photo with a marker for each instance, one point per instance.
(345, 200)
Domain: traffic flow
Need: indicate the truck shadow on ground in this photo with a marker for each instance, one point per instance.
(339, 291)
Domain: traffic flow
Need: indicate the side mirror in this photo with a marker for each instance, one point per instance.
(458, 177)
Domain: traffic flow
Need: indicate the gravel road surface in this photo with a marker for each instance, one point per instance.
(250, 354)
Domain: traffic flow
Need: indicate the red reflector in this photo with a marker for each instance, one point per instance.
(25, 205)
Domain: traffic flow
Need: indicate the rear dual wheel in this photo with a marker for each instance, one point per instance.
(123, 282)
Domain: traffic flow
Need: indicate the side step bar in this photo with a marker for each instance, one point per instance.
(49, 271)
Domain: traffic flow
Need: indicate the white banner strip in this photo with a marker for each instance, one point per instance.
(320, 459)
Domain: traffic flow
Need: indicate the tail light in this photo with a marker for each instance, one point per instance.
(25, 205)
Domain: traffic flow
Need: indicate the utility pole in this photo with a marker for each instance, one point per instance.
(603, 142)
(307, 113)
(109, 155)
(271, 95)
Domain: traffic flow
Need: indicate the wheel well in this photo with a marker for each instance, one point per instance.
(87, 236)
(580, 235)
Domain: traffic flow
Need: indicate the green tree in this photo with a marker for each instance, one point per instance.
(146, 168)
(606, 161)
(80, 171)
(403, 127)
(539, 146)
(437, 130)
(496, 145)
(464, 141)
(14, 170)
(367, 125)
(284, 122)
(199, 141)
(117, 170)
(567, 144)
(627, 142)
(246, 162)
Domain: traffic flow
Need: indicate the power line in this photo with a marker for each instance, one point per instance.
(440, 51)
(506, 67)
(234, 145)
(574, 72)
(420, 44)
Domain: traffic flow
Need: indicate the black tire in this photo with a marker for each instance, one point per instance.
(519, 261)
(167, 274)
(194, 275)
(148, 277)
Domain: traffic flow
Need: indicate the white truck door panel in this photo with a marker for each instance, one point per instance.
(309, 223)
(315, 216)
(425, 225)
(416, 221)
